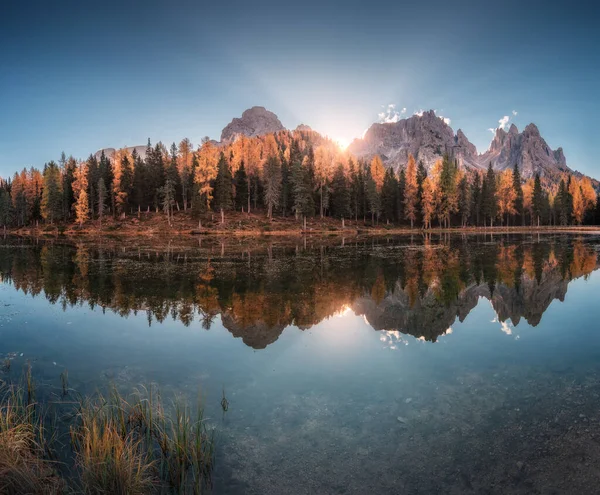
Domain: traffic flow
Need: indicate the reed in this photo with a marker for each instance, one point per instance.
(64, 382)
(24, 466)
(166, 451)
(6, 365)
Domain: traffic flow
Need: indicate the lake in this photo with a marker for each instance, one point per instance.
(438, 364)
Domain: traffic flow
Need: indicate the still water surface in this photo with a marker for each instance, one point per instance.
(394, 365)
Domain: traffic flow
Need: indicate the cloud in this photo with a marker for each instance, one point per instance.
(389, 115)
(419, 112)
(515, 113)
(446, 119)
(502, 124)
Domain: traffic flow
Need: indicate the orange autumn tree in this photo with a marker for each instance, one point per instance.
(506, 195)
(377, 172)
(80, 187)
(206, 172)
(428, 201)
(411, 191)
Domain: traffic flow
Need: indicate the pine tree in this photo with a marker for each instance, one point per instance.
(241, 187)
(223, 192)
(476, 199)
(272, 189)
(341, 193)
(519, 198)
(537, 201)
(401, 196)
(389, 195)
(464, 200)
(303, 205)
(489, 200)
(68, 167)
(167, 194)
(52, 198)
(101, 200)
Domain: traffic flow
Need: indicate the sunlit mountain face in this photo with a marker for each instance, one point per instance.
(401, 286)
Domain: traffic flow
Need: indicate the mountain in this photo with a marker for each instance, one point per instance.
(110, 152)
(255, 121)
(427, 137)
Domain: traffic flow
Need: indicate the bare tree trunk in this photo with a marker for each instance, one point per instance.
(222, 216)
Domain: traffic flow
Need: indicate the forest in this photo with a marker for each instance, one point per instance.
(295, 174)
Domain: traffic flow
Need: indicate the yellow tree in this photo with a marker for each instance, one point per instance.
(428, 202)
(528, 197)
(411, 191)
(80, 187)
(578, 201)
(377, 172)
(589, 193)
(206, 172)
(506, 195)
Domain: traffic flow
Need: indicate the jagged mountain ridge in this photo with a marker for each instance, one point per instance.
(427, 137)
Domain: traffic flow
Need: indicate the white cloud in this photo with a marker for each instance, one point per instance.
(419, 112)
(515, 113)
(446, 119)
(403, 111)
(502, 123)
(389, 115)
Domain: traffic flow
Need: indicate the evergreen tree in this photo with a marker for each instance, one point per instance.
(389, 195)
(400, 197)
(340, 201)
(537, 200)
(222, 199)
(68, 167)
(52, 196)
(272, 188)
(172, 172)
(101, 199)
(93, 175)
(167, 195)
(476, 199)
(303, 205)
(519, 199)
(489, 202)
(241, 187)
(464, 201)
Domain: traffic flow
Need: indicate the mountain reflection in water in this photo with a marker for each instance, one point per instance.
(417, 286)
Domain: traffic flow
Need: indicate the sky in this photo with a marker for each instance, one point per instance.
(81, 76)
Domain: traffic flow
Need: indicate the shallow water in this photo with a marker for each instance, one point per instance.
(395, 365)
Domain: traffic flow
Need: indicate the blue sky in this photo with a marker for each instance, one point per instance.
(79, 76)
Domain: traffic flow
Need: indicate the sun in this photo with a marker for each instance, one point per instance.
(342, 143)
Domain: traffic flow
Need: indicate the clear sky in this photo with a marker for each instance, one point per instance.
(82, 75)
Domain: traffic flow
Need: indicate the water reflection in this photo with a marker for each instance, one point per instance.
(400, 286)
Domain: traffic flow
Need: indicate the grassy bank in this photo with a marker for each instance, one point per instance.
(155, 225)
(101, 444)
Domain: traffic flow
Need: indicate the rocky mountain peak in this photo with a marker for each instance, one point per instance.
(513, 129)
(255, 121)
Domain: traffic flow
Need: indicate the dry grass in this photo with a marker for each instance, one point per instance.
(24, 467)
(132, 445)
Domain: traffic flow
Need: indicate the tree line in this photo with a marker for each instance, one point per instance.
(289, 173)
